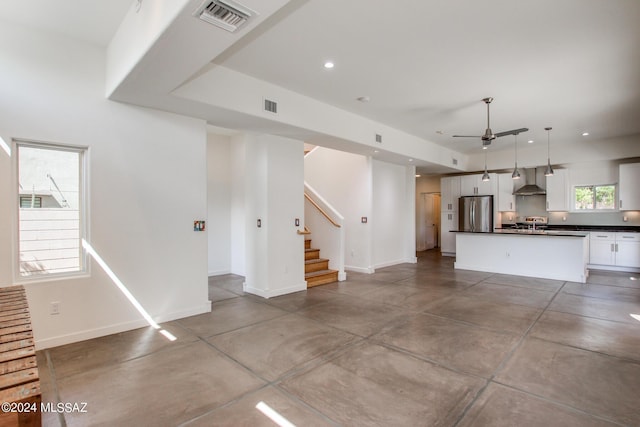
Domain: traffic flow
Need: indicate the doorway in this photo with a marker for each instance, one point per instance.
(428, 221)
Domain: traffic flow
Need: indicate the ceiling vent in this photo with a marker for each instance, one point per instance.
(378, 138)
(270, 106)
(225, 14)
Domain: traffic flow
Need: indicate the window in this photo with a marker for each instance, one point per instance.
(51, 213)
(30, 202)
(594, 197)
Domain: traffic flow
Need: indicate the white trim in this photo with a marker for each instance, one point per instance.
(342, 276)
(119, 327)
(389, 263)
(274, 293)
(366, 270)
(219, 273)
(612, 268)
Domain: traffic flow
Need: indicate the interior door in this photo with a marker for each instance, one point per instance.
(428, 223)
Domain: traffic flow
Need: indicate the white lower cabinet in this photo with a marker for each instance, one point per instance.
(628, 249)
(448, 222)
(614, 249)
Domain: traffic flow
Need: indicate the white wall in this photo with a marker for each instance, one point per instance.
(147, 184)
(393, 221)
(274, 194)
(237, 161)
(219, 203)
(344, 180)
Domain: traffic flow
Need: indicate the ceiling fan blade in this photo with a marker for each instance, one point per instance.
(511, 132)
(466, 136)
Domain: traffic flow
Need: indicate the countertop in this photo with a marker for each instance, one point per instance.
(523, 232)
(569, 227)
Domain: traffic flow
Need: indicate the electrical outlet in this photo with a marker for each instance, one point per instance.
(54, 308)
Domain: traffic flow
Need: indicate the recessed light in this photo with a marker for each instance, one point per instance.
(376, 151)
(585, 133)
(328, 64)
(484, 147)
(418, 175)
(439, 132)
(530, 141)
(363, 99)
(411, 160)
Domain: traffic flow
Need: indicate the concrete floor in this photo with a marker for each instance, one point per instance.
(411, 345)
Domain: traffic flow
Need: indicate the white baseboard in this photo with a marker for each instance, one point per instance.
(599, 267)
(342, 276)
(365, 270)
(88, 334)
(271, 293)
(219, 273)
(412, 260)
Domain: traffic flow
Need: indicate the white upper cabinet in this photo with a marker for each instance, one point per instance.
(557, 191)
(473, 185)
(506, 199)
(449, 193)
(629, 187)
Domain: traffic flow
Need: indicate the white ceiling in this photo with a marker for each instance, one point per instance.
(573, 65)
(95, 21)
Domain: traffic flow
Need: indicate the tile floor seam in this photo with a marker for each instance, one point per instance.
(427, 359)
(474, 325)
(224, 405)
(607, 299)
(591, 317)
(623, 359)
(299, 370)
(54, 384)
(558, 403)
(238, 328)
(109, 365)
(306, 405)
(507, 357)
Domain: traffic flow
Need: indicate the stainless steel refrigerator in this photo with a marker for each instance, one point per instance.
(475, 214)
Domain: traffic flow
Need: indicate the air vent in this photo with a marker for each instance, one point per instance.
(270, 106)
(454, 161)
(378, 138)
(225, 14)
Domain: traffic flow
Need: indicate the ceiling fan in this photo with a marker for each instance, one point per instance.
(488, 133)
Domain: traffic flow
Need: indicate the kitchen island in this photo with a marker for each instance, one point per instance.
(556, 255)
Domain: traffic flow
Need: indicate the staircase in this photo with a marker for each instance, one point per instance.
(316, 269)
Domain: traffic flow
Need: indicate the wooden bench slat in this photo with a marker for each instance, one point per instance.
(17, 336)
(9, 313)
(18, 353)
(8, 323)
(15, 329)
(13, 345)
(20, 392)
(18, 365)
(19, 377)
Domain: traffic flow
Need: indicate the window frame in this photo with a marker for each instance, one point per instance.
(83, 208)
(594, 210)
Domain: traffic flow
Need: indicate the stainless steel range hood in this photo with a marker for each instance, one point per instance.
(531, 187)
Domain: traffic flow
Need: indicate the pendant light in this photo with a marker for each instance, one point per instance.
(485, 175)
(516, 172)
(549, 170)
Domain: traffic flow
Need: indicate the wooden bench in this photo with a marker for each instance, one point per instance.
(19, 380)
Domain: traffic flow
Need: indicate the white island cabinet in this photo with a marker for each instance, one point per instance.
(559, 256)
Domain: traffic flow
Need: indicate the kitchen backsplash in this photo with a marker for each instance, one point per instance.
(536, 206)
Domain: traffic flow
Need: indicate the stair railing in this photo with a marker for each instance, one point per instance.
(327, 225)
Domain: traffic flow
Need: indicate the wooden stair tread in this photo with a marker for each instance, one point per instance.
(315, 260)
(320, 273)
